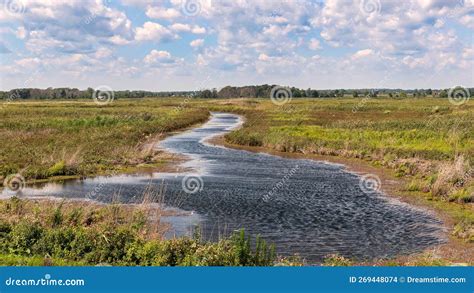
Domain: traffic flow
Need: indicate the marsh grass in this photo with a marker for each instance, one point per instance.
(41, 139)
(428, 141)
(40, 232)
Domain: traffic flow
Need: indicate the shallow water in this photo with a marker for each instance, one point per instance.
(302, 206)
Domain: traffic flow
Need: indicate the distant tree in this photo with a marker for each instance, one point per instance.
(295, 92)
(443, 94)
(205, 94)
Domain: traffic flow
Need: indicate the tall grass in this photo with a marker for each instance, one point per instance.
(41, 139)
(66, 233)
(428, 141)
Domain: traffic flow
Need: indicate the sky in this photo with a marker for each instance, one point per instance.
(163, 45)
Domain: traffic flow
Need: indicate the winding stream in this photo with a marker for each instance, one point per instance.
(304, 207)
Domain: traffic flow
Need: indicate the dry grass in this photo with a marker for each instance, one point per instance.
(43, 139)
(452, 175)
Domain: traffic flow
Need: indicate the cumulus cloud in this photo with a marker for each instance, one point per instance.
(152, 31)
(66, 25)
(154, 56)
(362, 54)
(314, 44)
(197, 43)
(161, 58)
(162, 13)
(181, 27)
(260, 39)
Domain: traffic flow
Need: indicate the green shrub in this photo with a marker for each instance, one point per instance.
(23, 238)
(336, 260)
(57, 169)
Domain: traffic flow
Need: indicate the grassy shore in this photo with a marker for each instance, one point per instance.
(427, 143)
(42, 232)
(44, 139)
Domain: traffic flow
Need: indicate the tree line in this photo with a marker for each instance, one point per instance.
(258, 91)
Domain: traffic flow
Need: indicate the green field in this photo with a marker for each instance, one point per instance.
(79, 138)
(428, 142)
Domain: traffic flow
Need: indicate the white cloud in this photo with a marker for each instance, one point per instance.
(152, 31)
(70, 26)
(162, 13)
(161, 58)
(155, 55)
(362, 54)
(314, 44)
(468, 53)
(251, 39)
(181, 27)
(197, 43)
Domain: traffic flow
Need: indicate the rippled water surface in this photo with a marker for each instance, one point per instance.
(305, 207)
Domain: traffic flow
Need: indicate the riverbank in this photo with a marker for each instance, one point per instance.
(77, 233)
(60, 140)
(454, 251)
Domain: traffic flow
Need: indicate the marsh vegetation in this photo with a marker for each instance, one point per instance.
(427, 142)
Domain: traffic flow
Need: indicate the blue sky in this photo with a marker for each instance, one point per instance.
(195, 44)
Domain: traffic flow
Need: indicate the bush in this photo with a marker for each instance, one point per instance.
(23, 238)
(58, 233)
(57, 169)
(335, 260)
